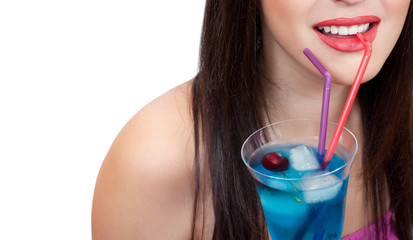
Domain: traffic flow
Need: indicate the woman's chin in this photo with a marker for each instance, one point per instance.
(348, 79)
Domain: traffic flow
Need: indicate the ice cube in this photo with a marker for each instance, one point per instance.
(319, 189)
(303, 159)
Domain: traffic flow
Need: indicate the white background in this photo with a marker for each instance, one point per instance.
(72, 73)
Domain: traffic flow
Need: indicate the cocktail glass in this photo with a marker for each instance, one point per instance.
(304, 201)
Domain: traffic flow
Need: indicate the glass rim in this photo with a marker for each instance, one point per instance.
(352, 156)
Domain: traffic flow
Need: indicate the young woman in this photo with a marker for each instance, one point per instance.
(175, 171)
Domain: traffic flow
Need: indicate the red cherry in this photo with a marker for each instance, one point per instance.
(275, 161)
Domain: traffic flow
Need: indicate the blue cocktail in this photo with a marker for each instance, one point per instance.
(300, 201)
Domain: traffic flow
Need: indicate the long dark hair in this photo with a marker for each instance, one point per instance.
(228, 104)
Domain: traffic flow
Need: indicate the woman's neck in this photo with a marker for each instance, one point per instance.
(298, 93)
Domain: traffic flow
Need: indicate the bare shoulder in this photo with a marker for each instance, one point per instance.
(145, 185)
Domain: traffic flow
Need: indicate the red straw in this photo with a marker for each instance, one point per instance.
(350, 100)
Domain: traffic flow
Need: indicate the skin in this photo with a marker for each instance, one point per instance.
(144, 189)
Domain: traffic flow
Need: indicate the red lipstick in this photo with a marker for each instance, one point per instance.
(348, 43)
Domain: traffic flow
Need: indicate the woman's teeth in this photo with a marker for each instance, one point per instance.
(344, 30)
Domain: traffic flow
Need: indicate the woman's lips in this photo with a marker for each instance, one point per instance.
(343, 40)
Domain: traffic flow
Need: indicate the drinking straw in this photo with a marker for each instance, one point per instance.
(350, 99)
(325, 104)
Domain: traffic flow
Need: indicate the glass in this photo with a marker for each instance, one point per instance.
(302, 202)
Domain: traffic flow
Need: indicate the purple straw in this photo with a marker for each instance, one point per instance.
(325, 105)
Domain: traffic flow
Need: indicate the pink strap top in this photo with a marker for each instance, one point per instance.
(369, 231)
